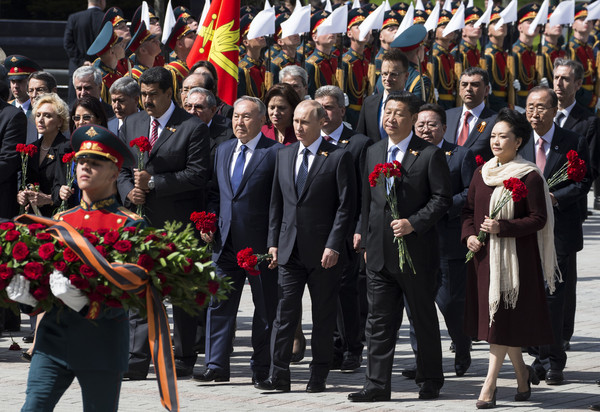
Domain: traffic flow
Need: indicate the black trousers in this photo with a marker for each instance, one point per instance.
(323, 285)
(384, 292)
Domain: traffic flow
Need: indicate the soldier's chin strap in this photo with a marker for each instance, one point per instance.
(132, 279)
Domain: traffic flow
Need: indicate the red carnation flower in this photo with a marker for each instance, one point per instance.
(164, 253)
(68, 157)
(576, 170)
(111, 237)
(79, 282)
(248, 261)
(479, 160)
(102, 231)
(7, 225)
(123, 246)
(94, 296)
(103, 289)
(205, 222)
(146, 261)
(43, 236)
(151, 237)
(517, 187)
(130, 229)
(188, 268)
(41, 293)
(572, 155)
(200, 298)
(93, 239)
(70, 256)
(87, 271)
(46, 251)
(102, 250)
(20, 251)
(6, 273)
(33, 270)
(12, 235)
(35, 227)
(172, 247)
(60, 266)
(142, 143)
(213, 286)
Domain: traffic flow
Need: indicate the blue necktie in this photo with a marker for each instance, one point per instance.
(302, 173)
(391, 158)
(238, 169)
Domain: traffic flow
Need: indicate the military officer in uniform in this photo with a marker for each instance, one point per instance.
(19, 68)
(494, 61)
(355, 66)
(550, 50)
(65, 338)
(289, 48)
(251, 76)
(411, 43)
(116, 16)
(525, 72)
(467, 52)
(180, 41)
(580, 50)
(146, 47)
(154, 28)
(321, 65)
(110, 50)
(442, 64)
(391, 22)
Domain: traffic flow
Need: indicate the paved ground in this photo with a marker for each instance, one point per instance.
(458, 394)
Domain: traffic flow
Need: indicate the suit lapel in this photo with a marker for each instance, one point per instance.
(554, 155)
(480, 126)
(412, 153)
(345, 137)
(255, 160)
(166, 133)
(290, 160)
(228, 156)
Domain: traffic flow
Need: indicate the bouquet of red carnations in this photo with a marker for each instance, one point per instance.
(574, 169)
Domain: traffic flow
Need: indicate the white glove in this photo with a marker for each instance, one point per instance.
(597, 105)
(71, 296)
(346, 101)
(18, 290)
(517, 85)
(436, 94)
(544, 82)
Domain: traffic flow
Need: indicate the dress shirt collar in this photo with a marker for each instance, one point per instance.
(547, 137)
(567, 110)
(403, 145)
(313, 148)
(164, 119)
(251, 145)
(440, 143)
(476, 111)
(335, 135)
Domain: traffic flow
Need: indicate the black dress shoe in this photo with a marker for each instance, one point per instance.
(315, 385)
(133, 375)
(274, 384)
(594, 407)
(554, 377)
(210, 375)
(182, 369)
(297, 357)
(429, 390)
(259, 377)
(369, 395)
(26, 356)
(351, 363)
(410, 373)
(462, 368)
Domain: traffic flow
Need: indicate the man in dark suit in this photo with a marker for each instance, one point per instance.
(347, 342)
(170, 188)
(87, 81)
(474, 86)
(313, 205)
(13, 129)
(424, 194)
(80, 32)
(394, 66)
(431, 126)
(244, 171)
(568, 77)
(548, 149)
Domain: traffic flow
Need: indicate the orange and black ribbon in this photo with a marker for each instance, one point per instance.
(132, 279)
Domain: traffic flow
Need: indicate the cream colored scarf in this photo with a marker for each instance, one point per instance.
(504, 264)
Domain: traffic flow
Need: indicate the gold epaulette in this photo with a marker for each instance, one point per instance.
(347, 57)
(243, 64)
(277, 61)
(129, 213)
(312, 59)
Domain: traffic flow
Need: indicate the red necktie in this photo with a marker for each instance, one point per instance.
(154, 132)
(540, 155)
(464, 133)
(327, 138)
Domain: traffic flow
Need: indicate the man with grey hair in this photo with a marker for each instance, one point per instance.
(87, 81)
(348, 348)
(240, 197)
(296, 77)
(125, 96)
(313, 204)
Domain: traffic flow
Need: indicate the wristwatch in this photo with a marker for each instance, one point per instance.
(151, 183)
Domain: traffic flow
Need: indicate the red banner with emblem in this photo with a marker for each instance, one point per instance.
(218, 42)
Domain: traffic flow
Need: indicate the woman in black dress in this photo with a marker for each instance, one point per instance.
(505, 298)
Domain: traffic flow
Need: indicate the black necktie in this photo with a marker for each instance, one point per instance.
(302, 173)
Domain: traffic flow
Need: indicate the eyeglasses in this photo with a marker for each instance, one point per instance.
(195, 107)
(85, 117)
(538, 109)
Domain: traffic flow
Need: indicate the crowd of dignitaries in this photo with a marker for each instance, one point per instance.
(285, 169)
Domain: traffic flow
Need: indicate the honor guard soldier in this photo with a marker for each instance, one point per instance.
(411, 43)
(391, 22)
(154, 29)
(494, 61)
(467, 53)
(550, 50)
(355, 66)
(180, 41)
(442, 64)
(580, 50)
(251, 76)
(145, 47)
(289, 45)
(110, 50)
(186, 15)
(525, 72)
(321, 65)
(243, 11)
(116, 16)
(19, 68)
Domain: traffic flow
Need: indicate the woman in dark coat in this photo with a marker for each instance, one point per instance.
(506, 301)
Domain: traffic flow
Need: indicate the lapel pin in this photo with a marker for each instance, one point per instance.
(344, 141)
(49, 156)
(324, 154)
(414, 152)
(172, 129)
(449, 153)
(481, 127)
(555, 147)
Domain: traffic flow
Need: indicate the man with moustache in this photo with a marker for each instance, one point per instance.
(313, 205)
(423, 196)
(548, 149)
